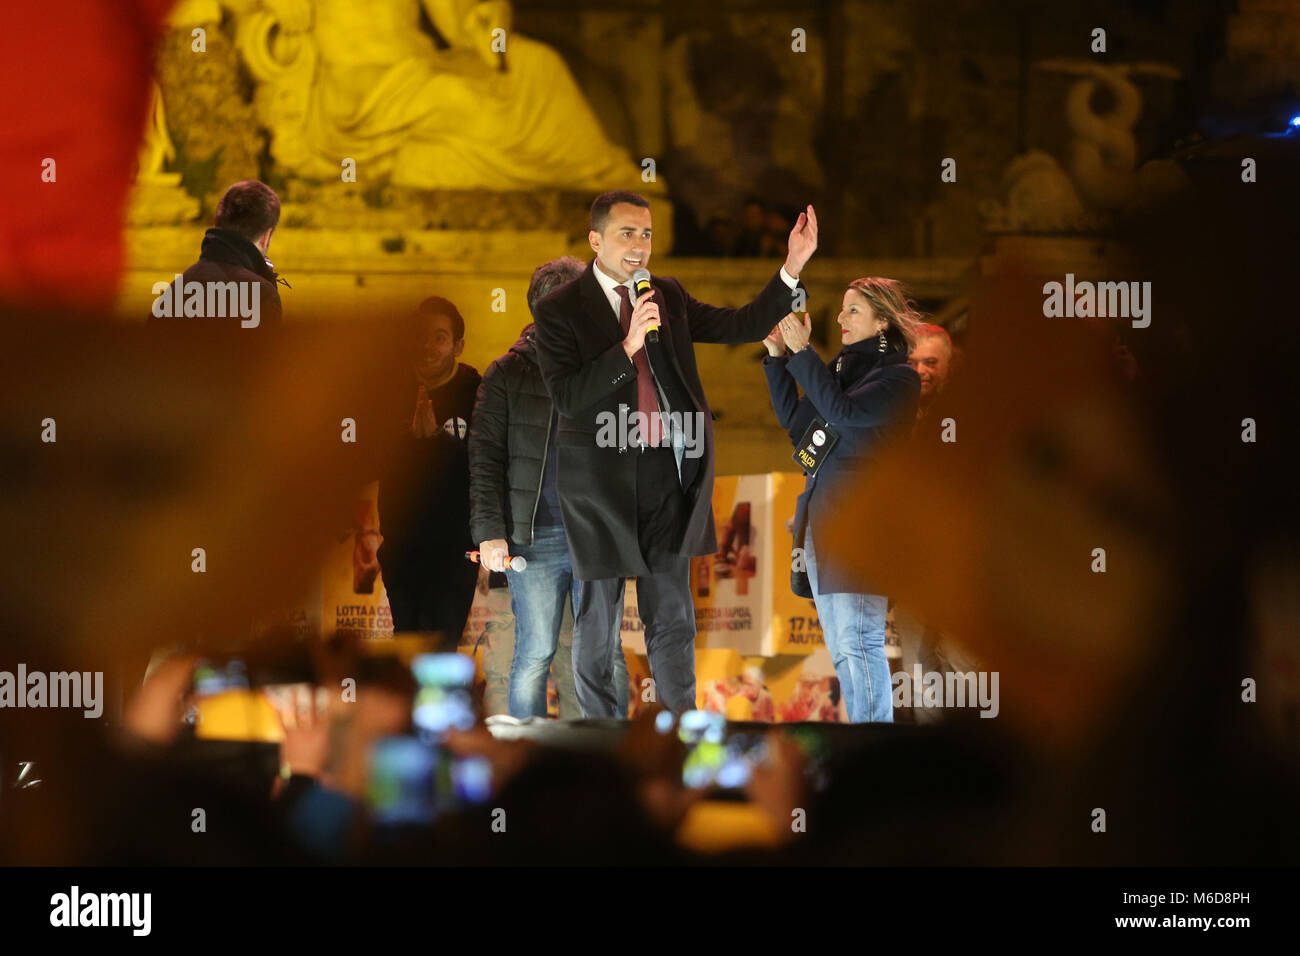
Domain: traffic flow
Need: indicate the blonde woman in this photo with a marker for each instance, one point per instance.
(852, 407)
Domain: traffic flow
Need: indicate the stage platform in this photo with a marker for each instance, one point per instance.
(605, 734)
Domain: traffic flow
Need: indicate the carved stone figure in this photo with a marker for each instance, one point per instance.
(158, 197)
(1103, 178)
(1103, 154)
(1040, 197)
(342, 80)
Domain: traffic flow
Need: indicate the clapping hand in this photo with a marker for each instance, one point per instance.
(425, 422)
(775, 342)
(795, 332)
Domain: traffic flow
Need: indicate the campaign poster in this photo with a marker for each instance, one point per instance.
(732, 588)
(353, 600)
(785, 689)
(795, 627)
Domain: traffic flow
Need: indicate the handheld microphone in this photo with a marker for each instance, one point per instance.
(640, 286)
(515, 563)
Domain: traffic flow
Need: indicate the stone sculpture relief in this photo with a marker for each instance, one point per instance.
(341, 80)
(1103, 177)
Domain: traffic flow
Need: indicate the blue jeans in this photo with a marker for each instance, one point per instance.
(854, 629)
(537, 596)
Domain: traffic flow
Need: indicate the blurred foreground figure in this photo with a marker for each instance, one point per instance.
(1112, 549)
(69, 144)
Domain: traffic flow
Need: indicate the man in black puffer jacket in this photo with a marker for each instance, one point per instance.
(515, 510)
(233, 279)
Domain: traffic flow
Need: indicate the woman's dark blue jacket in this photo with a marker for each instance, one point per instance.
(869, 398)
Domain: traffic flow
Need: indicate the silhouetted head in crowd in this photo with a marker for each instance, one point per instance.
(549, 276)
(932, 358)
(252, 209)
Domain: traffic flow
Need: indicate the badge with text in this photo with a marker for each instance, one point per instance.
(814, 446)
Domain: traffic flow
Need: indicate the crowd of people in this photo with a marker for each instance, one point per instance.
(1011, 790)
(1149, 710)
(759, 233)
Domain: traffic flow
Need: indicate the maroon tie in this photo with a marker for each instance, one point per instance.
(646, 400)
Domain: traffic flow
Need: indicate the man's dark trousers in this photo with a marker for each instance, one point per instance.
(430, 593)
(663, 599)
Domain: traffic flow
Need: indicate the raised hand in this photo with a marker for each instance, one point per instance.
(306, 745)
(802, 243)
(154, 712)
